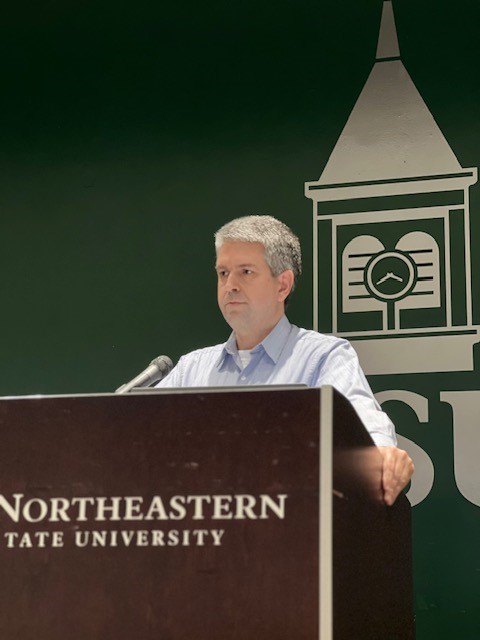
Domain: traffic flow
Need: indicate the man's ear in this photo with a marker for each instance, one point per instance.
(285, 281)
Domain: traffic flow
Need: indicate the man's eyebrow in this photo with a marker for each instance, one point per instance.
(238, 266)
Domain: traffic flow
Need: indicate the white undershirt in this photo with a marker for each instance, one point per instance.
(245, 356)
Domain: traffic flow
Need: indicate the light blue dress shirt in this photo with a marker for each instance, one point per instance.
(288, 355)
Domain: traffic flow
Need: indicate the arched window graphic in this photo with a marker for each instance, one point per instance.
(424, 252)
(356, 255)
(376, 279)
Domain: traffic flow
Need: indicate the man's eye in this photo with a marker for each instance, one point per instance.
(247, 271)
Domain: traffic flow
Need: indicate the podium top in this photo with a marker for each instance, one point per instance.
(164, 391)
(231, 388)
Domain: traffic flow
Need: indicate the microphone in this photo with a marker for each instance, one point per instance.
(156, 370)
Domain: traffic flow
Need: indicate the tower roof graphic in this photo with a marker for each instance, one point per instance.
(390, 133)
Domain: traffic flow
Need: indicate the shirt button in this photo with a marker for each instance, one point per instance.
(243, 378)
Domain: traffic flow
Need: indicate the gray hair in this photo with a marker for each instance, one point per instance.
(282, 247)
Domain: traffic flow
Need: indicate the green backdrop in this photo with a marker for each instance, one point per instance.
(130, 132)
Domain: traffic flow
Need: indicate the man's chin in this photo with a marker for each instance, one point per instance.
(234, 319)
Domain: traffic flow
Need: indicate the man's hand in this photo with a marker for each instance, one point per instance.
(397, 470)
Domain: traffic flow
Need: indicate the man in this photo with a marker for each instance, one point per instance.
(258, 264)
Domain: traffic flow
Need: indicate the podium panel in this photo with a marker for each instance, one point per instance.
(180, 516)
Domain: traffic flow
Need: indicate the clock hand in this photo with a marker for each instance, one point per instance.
(389, 276)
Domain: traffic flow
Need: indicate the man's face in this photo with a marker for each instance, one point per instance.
(250, 298)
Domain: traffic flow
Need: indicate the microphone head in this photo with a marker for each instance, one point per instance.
(163, 363)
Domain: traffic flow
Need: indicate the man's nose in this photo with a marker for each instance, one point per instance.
(232, 283)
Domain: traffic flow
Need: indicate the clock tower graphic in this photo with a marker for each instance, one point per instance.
(391, 230)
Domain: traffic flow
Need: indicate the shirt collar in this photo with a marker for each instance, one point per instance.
(273, 344)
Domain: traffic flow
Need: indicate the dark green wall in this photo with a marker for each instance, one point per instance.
(129, 133)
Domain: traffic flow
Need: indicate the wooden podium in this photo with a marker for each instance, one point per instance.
(252, 515)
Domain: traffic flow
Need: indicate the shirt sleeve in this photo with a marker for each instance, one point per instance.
(341, 369)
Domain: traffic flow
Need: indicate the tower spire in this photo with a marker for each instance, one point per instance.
(387, 38)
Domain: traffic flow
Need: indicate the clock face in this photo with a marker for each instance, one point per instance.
(390, 275)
